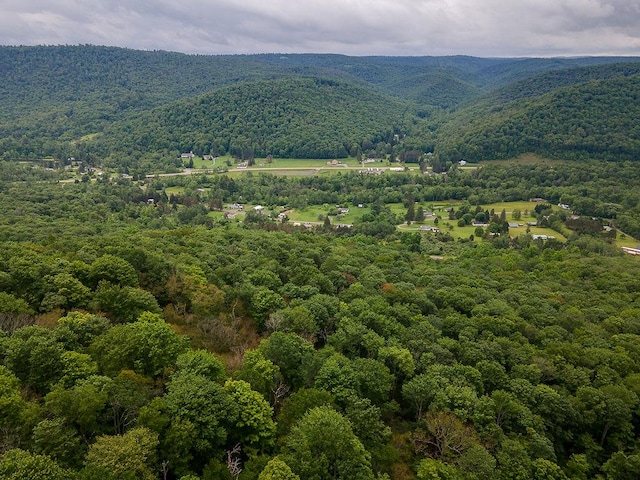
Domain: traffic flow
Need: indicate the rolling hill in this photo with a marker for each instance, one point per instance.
(295, 117)
(572, 114)
(126, 106)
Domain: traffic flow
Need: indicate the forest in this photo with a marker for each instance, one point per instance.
(124, 108)
(162, 340)
(458, 308)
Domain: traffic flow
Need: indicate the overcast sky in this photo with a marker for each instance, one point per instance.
(488, 28)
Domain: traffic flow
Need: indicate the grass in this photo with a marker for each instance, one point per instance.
(311, 213)
(623, 240)
(310, 162)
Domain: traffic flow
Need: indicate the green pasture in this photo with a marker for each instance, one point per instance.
(199, 163)
(301, 162)
(177, 190)
(510, 207)
(624, 240)
(312, 213)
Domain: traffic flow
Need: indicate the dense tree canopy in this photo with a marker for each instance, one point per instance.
(148, 329)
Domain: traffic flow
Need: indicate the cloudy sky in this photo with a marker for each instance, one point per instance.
(504, 28)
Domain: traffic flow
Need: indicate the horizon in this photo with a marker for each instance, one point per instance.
(452, 55)
(397, 28)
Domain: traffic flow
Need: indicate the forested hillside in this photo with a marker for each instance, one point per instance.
(291, 118)
(591, 118)
(93, 103)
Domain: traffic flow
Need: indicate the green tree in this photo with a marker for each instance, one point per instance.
(298, 404)
(431, 469)
(262, 374)
(76, 366)
(323, 446)
(131, 455)
(83, 406)
(292, 354)
(201, 362)
(114, 270)
(64, 291)
(191, 420)
(411, 210)
(20, 465)
(128, 393)
(60, 441)
(622, 467)
(146, 346)
(277, 469)
(35, 356)
(76, 330)
(250, 417)
(17, 416)
(123, 304)
(265, 301)
(477, 463)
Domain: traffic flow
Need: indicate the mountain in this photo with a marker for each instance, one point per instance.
(98, 103)
(297, 117)
(586, 112)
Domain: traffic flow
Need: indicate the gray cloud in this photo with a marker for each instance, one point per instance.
(355, 27)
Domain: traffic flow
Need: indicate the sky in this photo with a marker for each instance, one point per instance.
(485, 28)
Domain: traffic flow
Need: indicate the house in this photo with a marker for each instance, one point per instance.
(187, 155)
(462, 162)
(207, 157)
(542, 237)
(258, 208)
(373, 171)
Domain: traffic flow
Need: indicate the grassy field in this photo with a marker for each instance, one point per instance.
(285, 166)
(623, 240)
